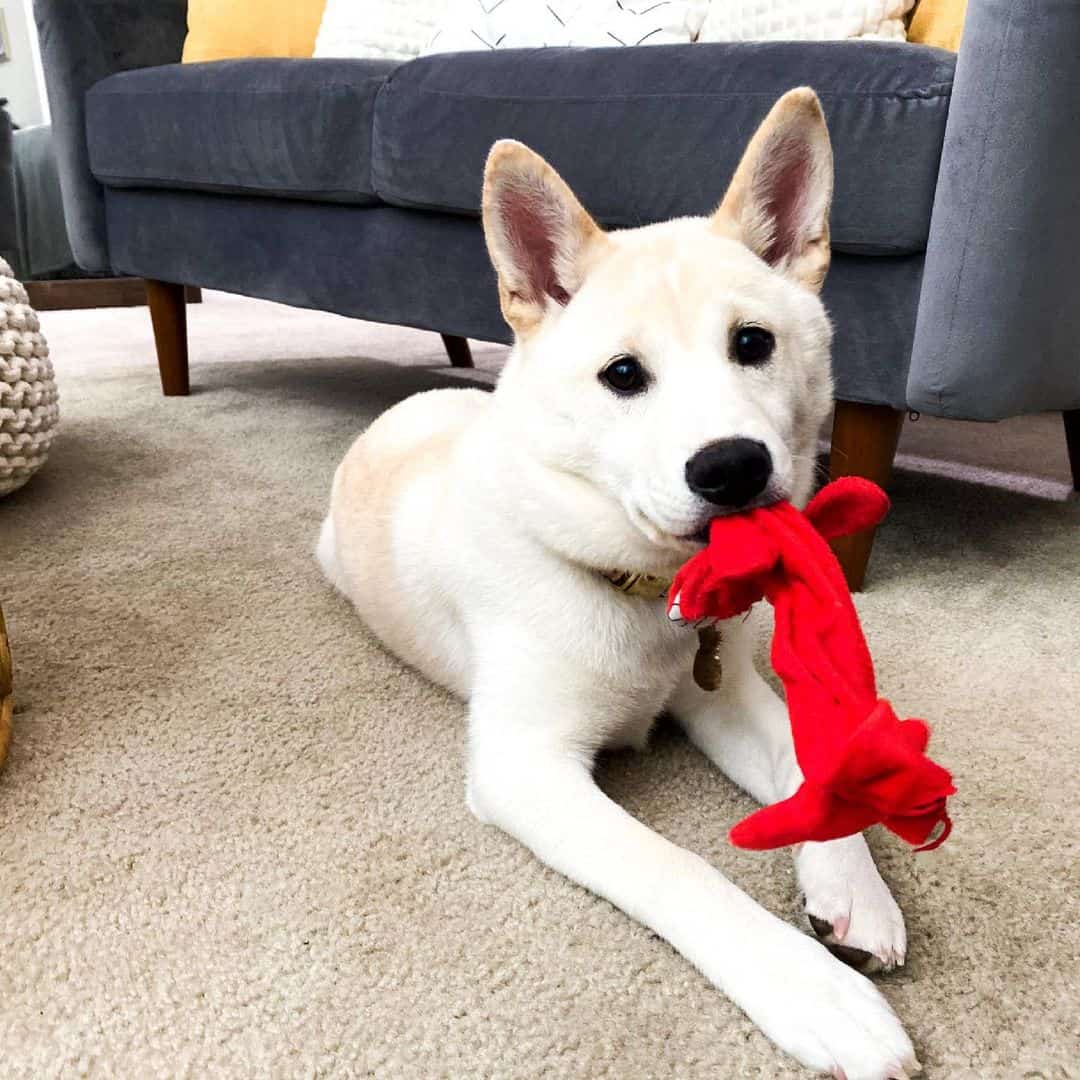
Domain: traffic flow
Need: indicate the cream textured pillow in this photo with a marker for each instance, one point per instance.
(804, 20)
(508, 24)
(382, 29)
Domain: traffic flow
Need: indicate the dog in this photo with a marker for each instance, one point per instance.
(660, 376)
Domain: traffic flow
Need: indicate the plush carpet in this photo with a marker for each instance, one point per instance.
(234, 840)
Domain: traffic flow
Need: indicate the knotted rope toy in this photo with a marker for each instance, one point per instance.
(861, 764)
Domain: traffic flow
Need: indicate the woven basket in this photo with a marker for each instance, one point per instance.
(28, 409)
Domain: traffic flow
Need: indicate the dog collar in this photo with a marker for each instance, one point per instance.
(708, 668)
(647, 586)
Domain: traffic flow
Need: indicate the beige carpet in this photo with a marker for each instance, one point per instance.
(234, 841)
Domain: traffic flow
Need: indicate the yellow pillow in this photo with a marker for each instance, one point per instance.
(221, 29)
(938, 22)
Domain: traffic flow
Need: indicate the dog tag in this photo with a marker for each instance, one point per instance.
(708, 670)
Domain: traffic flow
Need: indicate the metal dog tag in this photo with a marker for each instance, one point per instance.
(708, 670)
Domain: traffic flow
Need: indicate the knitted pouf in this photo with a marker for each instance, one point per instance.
(28, 409)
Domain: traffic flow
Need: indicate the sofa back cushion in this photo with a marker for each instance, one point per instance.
(286, 128)
(643, 135)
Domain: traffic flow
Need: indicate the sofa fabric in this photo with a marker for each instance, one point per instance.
(999, 321)
(81, 43)
(9, 220)
(43, 241)
(432, 271)
(294, 128)
(647, 134)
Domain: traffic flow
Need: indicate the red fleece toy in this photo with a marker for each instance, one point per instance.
(861, 764)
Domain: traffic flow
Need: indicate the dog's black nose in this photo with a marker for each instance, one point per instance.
(730, 472)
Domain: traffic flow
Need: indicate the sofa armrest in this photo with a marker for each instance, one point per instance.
(9, 212)
(998, 329)
(83, 41)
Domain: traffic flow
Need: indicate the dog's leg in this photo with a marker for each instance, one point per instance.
(529, 775)
(743, 728)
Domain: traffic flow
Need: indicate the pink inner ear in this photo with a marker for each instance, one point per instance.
(529, 220)
(785, 180)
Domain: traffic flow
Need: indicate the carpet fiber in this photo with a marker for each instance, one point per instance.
(234, 839)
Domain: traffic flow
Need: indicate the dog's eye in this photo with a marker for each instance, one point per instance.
(752, 345)
(625, 376)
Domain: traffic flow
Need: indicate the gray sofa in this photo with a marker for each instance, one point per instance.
(9, 221)
(353, 186)
(33, 239)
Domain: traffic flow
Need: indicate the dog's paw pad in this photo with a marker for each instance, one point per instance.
(832, 934)
(849, 907)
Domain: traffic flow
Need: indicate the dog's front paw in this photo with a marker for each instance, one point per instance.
(849, 906)
(825, 1014)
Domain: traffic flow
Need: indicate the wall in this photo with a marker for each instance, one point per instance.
(20, 77)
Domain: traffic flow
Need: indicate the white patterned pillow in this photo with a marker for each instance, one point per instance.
(804, 20)
(378, 29)
(508, 24)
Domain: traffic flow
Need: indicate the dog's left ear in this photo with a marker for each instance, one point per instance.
(539, 236)
(778, 201)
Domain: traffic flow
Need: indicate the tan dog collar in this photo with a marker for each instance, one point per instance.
(647, 586)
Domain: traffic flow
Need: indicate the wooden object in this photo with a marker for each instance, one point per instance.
(168, 312)
(864, 439)
(457, 348)
(74, 293)
(1072, 441)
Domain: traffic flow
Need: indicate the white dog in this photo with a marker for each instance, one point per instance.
(660, 376)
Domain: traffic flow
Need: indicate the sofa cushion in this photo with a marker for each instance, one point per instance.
(647, 134)
(281, 127)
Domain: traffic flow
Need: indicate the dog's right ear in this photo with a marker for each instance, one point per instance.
(778, 201)
(538, 235)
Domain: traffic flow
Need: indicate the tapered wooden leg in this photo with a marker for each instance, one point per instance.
(457, 348)
(864, 439)
(1072, 441)
(168, 312)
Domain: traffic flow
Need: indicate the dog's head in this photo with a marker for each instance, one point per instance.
(667, 374)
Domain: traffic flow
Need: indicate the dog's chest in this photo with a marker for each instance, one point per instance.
(631, 651)
(638, 659)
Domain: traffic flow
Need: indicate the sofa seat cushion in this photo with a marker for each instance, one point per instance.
(297, 128)
(647, 134)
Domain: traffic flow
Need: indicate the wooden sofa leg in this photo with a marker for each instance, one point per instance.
(457, 348)
(1072, 441)
(864, 439)
(168, 312)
